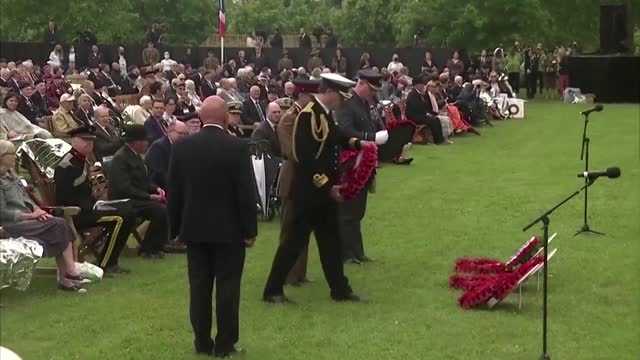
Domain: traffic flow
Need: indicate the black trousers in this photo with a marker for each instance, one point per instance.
(158, 231)
(514, 81)
(531, 85)
(222, 263)
(350, 214)
(119, 225)
(540, 81)
(322, 218)
(433, 123)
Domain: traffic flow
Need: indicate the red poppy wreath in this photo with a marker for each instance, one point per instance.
(356, 176)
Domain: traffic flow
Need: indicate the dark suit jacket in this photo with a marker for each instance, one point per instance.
(107, 143)
(128, 177)
(354, 119)
(157, 161)
(259, 62)
(156, 129)
(211, 200)
(305, 41)
(27, 109)
(94, 59)
(197, 80)
(40, 102)
(276, 41)
(208, 90)
(14, 86)
(250, 113)
(87, 119)
(264, 132)
(416, 107)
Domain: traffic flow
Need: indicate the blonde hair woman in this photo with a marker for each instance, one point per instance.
(20, 216)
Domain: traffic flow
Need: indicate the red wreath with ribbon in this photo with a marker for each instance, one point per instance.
(498, 287)
(357, 175)
(493, 266)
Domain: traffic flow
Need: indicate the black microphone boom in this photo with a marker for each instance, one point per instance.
(596, 108)
(611, 173)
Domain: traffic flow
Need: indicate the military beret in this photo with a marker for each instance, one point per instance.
(85, 132)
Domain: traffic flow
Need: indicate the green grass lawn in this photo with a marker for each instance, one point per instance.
(471, 198)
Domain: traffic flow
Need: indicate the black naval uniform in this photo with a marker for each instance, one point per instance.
(73, 188)
(313, 208)
(354, 119)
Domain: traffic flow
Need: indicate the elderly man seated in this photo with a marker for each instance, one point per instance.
(73, 188)
(107, 141)
(14, 126)
(419, 107)
(137, 114)
(63, 118)
(128, 179)
(266, 131)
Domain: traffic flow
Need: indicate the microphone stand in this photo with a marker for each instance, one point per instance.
(584, 155)
(544, 218)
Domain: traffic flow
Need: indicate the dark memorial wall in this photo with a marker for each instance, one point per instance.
(612, 78)
(410, 57)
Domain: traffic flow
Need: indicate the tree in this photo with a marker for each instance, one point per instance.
(472, 24)
(366, 23)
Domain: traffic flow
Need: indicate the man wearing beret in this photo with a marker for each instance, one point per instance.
(73, 188)
(315, 193)
(417, 109)
(354, 118)
(129, 179)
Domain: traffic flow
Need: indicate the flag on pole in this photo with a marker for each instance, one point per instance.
(222, 20)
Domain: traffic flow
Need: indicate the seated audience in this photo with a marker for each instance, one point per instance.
(63, 119)
(156, 125)
(266, 130)
(233, 119)
(417, 108)
(137, 114)
(73, 188)
(14, 125)
(253, 108)
(84, 112)
(107, 141)
(128, 179)
(39, 99)
(22, 217)
(170, 107)
(190, 86)
(25, 106)
(157, 158)
(208, 87)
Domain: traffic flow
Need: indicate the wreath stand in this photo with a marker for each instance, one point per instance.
(544, 218)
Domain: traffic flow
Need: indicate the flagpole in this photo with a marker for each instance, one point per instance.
(222, 50)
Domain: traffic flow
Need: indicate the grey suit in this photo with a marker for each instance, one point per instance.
(266, 132)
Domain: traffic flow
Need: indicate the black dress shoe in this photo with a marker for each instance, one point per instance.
(277, 299)
(353, 297)
(365, 259)
(353, 261)
(204, 349)
(230, 354)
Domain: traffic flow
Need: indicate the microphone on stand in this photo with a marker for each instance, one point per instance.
(611, 173)
(596, 108)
